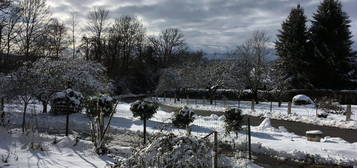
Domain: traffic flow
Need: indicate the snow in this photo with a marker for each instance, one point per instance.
(265, 139)
(302, 98)
(62, 154)
(314, 132)
(265, 124)
(299, 113)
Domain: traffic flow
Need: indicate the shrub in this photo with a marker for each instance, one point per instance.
(143, 109)
(302, 100)
(330, 106)
(67, 101)
(183, 117)
(233, 120)
(103, 103)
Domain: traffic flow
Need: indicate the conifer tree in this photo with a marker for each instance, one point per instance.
(293, 62)
(332, 46)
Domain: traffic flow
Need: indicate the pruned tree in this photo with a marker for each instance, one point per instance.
(144, 110)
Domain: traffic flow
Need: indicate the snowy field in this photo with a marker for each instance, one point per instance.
(301, 113)
(265, 139)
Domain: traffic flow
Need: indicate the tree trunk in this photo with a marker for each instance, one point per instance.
(144, 131)
(44, 104)
(2, 104)
(24, 117)
(67, 122)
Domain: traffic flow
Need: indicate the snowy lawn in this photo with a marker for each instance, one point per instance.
(300, 113)
(16, 147)
(265, 139)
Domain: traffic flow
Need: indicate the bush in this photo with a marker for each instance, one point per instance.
(183, 117)
(330, 106)
(67, 101)
(302, 100)
(143, 109)
(233, 120)
(102, 103)
(170, 151)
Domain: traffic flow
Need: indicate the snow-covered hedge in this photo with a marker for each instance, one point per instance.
(67, 101)
(233, 120)
(183, 117)
(302, 100)
(330, 106)
(95, 104)
(170, 151)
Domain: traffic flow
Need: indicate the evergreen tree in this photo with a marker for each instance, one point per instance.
(293, 62)
(332, 51)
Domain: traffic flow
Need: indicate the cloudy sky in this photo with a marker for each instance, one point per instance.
(210, 25)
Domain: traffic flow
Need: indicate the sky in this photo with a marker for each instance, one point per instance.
(214, 26)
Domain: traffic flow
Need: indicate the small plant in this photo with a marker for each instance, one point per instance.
(330, 106)
(102, 103)
(183, 117)
(97, 109)
(233, 120)
(144, 110)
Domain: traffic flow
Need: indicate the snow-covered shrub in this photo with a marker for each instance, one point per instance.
(170, 151)
(183, 117)
(67, 101)
(233, 120)
(330, 106)
(97, 104)
(143, 109)
(302, 100)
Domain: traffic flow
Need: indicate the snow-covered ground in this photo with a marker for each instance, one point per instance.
(265, 139)
(16, 147)
(300, 113)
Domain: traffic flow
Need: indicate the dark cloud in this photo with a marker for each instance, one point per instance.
(211, 25)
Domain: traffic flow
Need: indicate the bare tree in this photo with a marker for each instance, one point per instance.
(34, 16)
(170, 43)
(73, 32)
(97, 24)
(126, 39)
(12, 28)
(252, 57)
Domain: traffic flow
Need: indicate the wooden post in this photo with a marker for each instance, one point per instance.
(348, 112)
(175, 98)
(317, 108)
(215, 151)
(67, 122)
(164, 97)
(252, 107)
(289, 108)
(187, 99)
(144, 131)
(271, 106)
(238, 103)
(249, 141)
(2, 104)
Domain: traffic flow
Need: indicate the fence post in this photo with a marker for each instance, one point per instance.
(215, 151)
(187, 99)
(252, 107)
(348, 112)
(271, 106)
(238, 103)
(289, 108)
(164, 97)
(249, 141)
